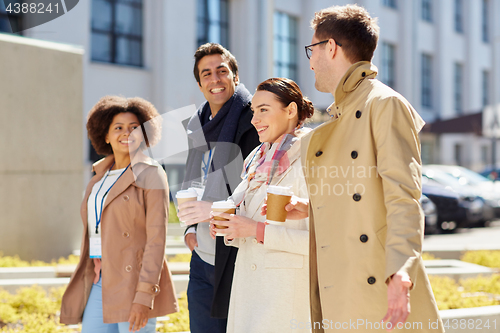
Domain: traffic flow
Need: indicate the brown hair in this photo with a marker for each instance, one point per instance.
(213, 48)
(350, 25)
(100, 117)
(288, 91)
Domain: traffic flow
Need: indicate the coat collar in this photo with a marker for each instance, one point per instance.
(139, 160)
(139, 163)
(353, 77)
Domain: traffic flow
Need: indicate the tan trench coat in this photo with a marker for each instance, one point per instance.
(134, 227)
(363, 172)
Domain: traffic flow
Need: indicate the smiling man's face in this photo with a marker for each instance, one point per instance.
(217, 81)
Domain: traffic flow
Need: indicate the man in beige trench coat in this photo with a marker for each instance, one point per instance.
(363, 172)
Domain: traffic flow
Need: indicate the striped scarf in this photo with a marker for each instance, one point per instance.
(268, 161)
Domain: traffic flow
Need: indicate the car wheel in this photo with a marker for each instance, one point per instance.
(447, 226)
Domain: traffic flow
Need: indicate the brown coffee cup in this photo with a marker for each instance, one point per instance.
(227, 207)
(277, 198)
(185, 196)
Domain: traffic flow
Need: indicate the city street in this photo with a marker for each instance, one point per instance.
(487, 238)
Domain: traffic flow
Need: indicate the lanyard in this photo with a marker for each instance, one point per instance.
(250, 163)
(205, 167)
(98, 220)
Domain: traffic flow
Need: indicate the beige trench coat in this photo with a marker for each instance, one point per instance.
(270, 291)
(363, 172)
(134, 228)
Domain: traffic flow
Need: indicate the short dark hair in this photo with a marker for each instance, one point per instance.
(213, 48)
(287, 91)
(100, 117)
(350, 25)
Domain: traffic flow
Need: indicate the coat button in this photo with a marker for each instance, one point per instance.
(354, 154)
(356, 197)
(363, 74)
(126, 197)
(363, 238)
(319, 153)
(254, 241)
(243, 240)
(253, 267)
(128, 268)
(155, 289)
(358, 114)
(371, 280)
(126, 234)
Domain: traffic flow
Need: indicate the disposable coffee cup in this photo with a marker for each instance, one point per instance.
(185, 196)
(225, 207)
(277, 198)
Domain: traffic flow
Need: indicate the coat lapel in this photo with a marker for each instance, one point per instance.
(120, 186)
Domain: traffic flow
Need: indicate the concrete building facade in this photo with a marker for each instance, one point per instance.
(442, 55)
(41, 167)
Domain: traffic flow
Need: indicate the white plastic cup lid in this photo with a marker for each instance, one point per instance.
(279, 190)
(229, 204)
(189, 193)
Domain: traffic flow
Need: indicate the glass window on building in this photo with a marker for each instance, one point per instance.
(285, 46)
(427, 152)
(9, 21)
(117, 32)
(485, 21)
(459, 16)
(486, 88)
(389, 3)
(213, 18)
(427, 10)
(426, 80)
(458, 89)
(388, 73)
(484, 154)
(458, 153)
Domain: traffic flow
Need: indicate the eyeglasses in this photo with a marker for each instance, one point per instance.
(309, 47)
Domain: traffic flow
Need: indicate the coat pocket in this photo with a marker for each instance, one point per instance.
(382, 235)
(283, 260)
(140, 254)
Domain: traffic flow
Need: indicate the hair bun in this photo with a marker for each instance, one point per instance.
(307, 107)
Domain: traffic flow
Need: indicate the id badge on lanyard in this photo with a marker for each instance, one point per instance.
(95, 249)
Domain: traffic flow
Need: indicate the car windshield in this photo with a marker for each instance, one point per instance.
(441, 177)
(472, 177)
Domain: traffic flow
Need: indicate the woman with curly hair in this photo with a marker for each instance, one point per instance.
(122, 282)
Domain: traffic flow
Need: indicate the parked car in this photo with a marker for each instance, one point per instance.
(476, 209)
(491, 174)
(478, 184)
(451, 212)
(484, 187)
(431, 216)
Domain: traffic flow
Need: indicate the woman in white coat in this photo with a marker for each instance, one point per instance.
(270, 290)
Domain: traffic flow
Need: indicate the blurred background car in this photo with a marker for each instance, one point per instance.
(451, 213)
(431, 216)
(480, 185)
(473, 210)
(491, 174)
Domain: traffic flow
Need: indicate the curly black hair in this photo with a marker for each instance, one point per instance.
(100, 117)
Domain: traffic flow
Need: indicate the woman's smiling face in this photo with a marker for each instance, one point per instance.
(119, 133)
(271, 118)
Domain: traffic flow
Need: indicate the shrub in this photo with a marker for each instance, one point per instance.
(180, 257)
(172, 214)
(428, 256)
(468, 293)
(179, 321)
(483, 258)
(15, 261)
